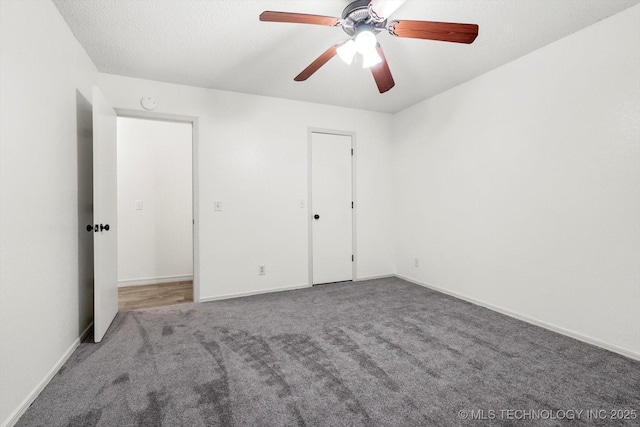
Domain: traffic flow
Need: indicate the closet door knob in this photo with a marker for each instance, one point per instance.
(89, 228)
(104, 227)
(316, 216)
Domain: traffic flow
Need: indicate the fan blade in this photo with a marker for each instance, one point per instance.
(380, 10)
(382, 73)
(443, 31)
(298, 18)
(319, 62)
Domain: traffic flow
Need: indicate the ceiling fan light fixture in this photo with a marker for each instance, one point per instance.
(365, 41)
(370, 58)
(347, 51)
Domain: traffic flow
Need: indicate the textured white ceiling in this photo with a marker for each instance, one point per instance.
(221, 44)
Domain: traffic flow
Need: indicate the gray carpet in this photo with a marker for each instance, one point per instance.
(382, 352)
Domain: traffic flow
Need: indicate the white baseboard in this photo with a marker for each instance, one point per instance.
(154, 280)
(380, 276)
(246, 294)
(540, 323)
(22, 408)
(284, 288)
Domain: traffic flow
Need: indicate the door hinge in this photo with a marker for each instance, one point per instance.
(353, 258)
(352, 151)
(351, 205)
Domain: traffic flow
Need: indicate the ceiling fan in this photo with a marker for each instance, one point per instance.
(362, 20)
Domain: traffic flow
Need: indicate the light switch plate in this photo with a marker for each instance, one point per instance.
(218, 206)
(138, 205)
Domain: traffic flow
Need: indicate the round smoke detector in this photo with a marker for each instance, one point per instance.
(148, 103)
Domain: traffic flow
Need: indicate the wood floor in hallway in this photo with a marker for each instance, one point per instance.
(157, 295)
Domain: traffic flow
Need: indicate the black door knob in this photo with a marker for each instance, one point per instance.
(104, 227)
(89, 228)
(316, 216)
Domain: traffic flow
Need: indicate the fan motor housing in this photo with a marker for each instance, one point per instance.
(356, 18)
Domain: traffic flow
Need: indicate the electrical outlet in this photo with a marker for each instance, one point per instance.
(416, 262)
(262, 270)
(138, 205)
(218, 206)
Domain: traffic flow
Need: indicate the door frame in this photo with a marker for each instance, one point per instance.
(195, 211)
(354, 263)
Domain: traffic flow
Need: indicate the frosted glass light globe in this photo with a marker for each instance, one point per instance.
(365, 41)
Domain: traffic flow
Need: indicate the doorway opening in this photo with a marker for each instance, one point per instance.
(155, 212)
(332, 207)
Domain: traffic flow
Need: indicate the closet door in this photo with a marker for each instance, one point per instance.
(331, 206)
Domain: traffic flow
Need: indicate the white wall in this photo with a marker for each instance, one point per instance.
(154, 166)
(45, 301)
(520, 189)
(253, 158)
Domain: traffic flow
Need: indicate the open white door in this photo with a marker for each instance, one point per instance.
(331, 204)
(105, 243)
